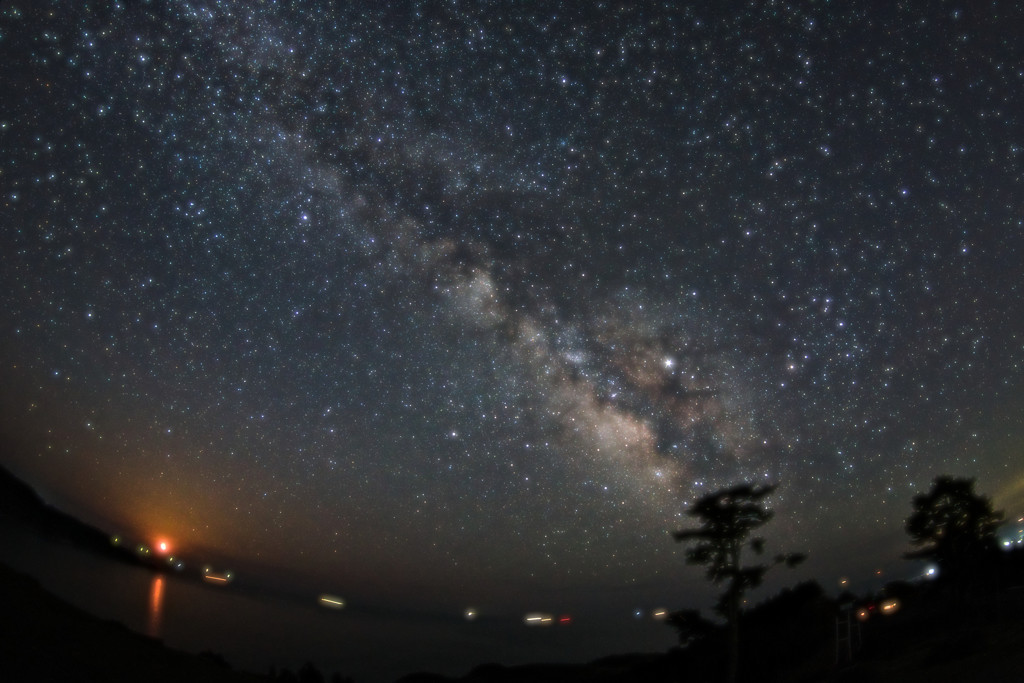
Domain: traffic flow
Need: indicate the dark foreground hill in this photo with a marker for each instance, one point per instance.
(938, 641)
(42, 638)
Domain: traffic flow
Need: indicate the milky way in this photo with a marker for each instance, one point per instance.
(476, 296)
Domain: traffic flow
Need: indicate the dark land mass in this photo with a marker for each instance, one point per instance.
(19, 503)
(22, 506)
(42, 638)
(939, 638)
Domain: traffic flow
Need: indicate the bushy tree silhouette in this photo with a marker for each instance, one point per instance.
(956, 529)
(727, 518)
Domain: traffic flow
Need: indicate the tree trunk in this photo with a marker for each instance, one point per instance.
(732, 669)
(734, 640)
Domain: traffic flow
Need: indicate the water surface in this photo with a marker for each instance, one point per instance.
(255, 631)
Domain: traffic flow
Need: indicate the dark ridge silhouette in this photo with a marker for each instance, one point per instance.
(20, 505)
(19, 502)
(935, 639)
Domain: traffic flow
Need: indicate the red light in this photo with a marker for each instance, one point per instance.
(564, 620)
(163, 547)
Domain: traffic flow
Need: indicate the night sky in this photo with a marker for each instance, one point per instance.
(468, 300)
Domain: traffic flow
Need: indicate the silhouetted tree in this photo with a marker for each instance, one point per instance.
(955, 527)
(727, 519)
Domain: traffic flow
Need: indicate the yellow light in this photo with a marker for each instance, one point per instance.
(535, 619)
(332, 601)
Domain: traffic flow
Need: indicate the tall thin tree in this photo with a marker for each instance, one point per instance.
(727, 518)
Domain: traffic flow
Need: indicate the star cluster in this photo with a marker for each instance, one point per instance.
(477, 295)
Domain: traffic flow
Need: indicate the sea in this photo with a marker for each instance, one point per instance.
(257, 630)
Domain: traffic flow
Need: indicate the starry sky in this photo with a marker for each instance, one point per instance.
(470, 299)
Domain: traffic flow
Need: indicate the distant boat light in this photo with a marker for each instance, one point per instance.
(537, 619)
(332, 601)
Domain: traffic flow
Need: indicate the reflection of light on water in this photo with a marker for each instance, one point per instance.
(156, 606)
